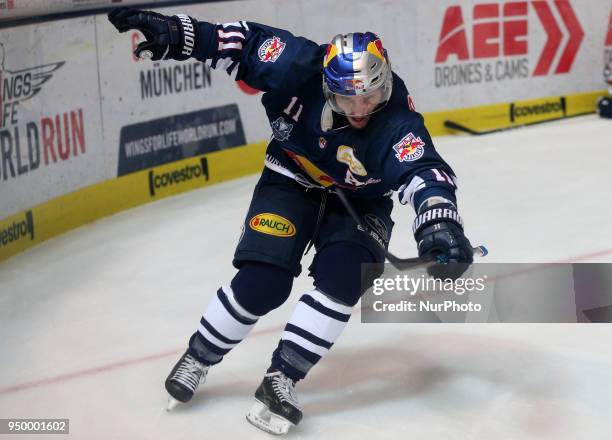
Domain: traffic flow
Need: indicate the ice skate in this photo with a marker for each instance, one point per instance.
(184, 379)
(276, 408)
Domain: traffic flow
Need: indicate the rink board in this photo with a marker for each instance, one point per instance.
(79, 109)
(83, 121)
(46, 220)
(49, 219)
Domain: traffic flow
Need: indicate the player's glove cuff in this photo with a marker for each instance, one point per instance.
(186, 37)
(604, 107)
(166, 37)
(443, 212)
(438, 231)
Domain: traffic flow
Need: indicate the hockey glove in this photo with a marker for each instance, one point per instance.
(604, 107)
(438, 231)
(166, 37)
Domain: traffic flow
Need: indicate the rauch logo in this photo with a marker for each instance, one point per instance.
(272, 224)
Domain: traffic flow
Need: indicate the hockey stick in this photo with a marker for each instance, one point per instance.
(456, 126)
(452, 125)
(398, 263)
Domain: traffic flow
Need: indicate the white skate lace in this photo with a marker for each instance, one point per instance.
(190, 373)
(283, 388)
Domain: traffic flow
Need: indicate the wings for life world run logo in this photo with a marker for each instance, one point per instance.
(495, 45)
(26, 145)
(7, 4)
(160, 141)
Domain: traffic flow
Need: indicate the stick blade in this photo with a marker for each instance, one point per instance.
(458, 127)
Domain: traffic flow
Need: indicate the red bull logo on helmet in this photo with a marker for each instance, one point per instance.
(271, 49)
(410, 148)
(331, 53)
(376, 49)
(354, 84)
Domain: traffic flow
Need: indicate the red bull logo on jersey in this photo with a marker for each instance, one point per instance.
(410, 148)
(271, 49)
(272, 224)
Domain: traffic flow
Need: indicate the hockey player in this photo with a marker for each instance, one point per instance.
(340, 118)
(604, 103)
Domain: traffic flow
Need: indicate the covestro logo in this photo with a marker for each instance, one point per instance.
(538, 110)
(177, 177)
(17, 230)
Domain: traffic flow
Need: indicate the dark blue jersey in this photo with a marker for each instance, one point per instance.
(393, 152)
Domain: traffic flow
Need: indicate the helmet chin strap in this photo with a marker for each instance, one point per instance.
(328, 120)
(327, 117)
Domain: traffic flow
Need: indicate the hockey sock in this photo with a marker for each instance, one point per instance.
(223, 325)
(314, 326)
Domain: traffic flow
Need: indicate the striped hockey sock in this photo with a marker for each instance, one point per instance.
(224, 324)
(315, 325)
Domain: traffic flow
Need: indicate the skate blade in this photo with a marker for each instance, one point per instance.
(172, 403)
(260, 416)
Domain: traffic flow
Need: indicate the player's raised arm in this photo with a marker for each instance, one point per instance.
(260, 55)
(428, 183)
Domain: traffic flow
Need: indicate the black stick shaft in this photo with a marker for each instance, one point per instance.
(392, 258)
(397, 262)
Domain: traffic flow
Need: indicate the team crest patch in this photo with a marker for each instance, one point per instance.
(281, 129)
(409, 149)
(378, 225)
(272, 224)
(346, 155)
(377, 229)
(322, 143)
(271, 49)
